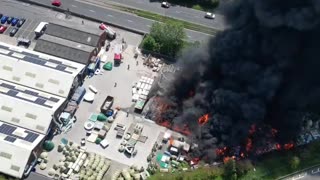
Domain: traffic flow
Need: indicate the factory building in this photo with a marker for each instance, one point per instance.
(72, 42)
(34, 87)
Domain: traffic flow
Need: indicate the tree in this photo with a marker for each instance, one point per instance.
(230, 169)
(169, 37)
(294, 162)
(150, 44)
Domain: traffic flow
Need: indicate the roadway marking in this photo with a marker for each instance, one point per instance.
(178, 11)
(25, 4)
(129, 21)
(91, 10)
(73, 5)
(189, 36)
(148, 25)
(109, 15)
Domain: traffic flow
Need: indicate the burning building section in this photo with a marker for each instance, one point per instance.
(246, 93)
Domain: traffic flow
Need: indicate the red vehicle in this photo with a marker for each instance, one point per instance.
(103, 26)
(117, 58)
(56, 3)
(3, 29)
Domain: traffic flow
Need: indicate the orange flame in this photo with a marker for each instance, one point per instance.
(288, 146)
(227, 158)
(278, 146)
(171, 141)
(203, 119)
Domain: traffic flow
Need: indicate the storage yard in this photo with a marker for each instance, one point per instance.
(91, 123)
(91, 126)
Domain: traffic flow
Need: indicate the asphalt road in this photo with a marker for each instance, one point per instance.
(175, 11)
(117, 17)
(310, 174)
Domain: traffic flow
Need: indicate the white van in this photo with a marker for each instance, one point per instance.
(41, 28)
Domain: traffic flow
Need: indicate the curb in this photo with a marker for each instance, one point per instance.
(84, 17)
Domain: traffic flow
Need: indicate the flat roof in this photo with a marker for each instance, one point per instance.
(26, 107)
(38, 71)
(74, 33)
(66, 49)
(68, 43)
(16, 147)
(40, 59)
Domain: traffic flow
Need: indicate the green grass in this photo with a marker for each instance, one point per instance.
(277, 164)
(197, 7)
(202, 173)
(268, 167)
(161, 18)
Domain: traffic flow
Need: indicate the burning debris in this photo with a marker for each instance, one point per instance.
(251, 86)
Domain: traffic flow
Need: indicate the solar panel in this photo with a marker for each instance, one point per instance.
(12, 93)
(55, 61)
(31, 92)
(40, 101)
(7, 129)
(10, 139)
(7, 86)
(54, 99)
(31, 136)
(61, 68)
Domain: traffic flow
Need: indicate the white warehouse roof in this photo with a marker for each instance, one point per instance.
(37, 70)
(26, 107)
(16, 147)
(33, 86)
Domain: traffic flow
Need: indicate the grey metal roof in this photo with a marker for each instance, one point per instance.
(65, 42)
(64, 49)
(73, 34)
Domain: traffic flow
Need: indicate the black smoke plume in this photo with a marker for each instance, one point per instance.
(263, 70)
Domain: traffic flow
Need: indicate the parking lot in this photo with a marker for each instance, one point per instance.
(34, 15)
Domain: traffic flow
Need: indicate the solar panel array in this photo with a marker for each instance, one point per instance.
(35, 59)
(8, 130)
(41, 100)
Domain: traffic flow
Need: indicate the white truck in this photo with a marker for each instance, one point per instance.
(40, 29)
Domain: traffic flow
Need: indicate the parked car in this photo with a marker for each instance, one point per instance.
(165, 4)
(13, 31)
(210, 15)
(103, 26)
(56, 3)
(21, 22)
(9, 20)
(24, 42)
(3, 29)
(4, 19)
(14, 21)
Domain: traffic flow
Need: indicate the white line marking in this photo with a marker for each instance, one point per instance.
(109, 15)
(73, 5)
(189, 36)
(148, 25)
(91, 10)
(129, 20)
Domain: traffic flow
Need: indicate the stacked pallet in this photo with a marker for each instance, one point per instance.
(141, 89)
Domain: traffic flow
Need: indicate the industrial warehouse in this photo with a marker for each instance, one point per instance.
(28, 102)
(93, 90)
